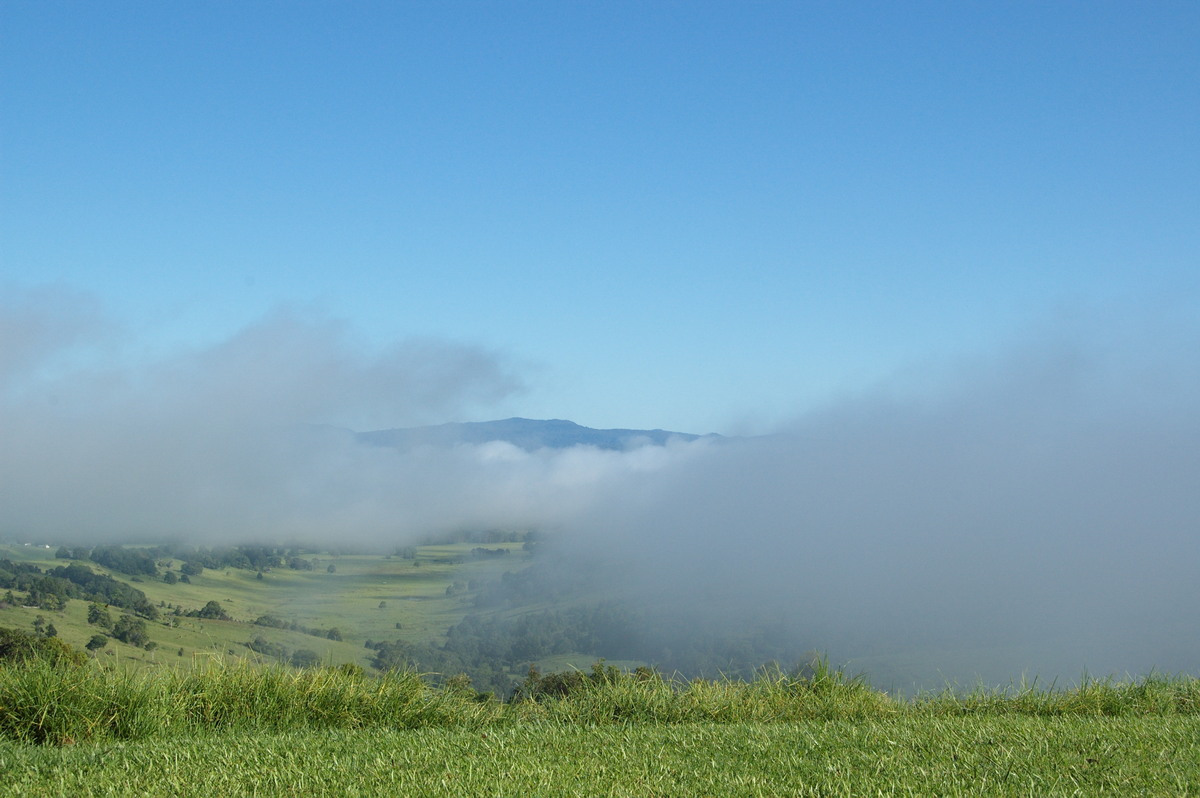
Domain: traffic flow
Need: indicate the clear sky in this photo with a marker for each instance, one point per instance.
(697, 216)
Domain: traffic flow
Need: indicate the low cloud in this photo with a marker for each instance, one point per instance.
(1032, 510)
(229, 442)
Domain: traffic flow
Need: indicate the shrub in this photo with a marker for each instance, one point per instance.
(351, 669)
(564, 683)
(18, 646)
(260, 645)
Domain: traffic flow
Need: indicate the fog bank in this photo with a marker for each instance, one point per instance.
(1034, 509)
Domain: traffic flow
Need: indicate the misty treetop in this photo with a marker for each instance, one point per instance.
(135, 562)
(145, 560)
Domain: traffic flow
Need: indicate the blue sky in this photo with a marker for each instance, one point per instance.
(696, 216)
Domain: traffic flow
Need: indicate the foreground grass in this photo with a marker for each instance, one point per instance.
(996, 755)
(247, 730)
(49, 701)
(45, 703)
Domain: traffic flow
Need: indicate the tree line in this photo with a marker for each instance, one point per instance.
(52, 589)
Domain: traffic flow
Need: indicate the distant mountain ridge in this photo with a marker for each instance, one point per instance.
(525, 433)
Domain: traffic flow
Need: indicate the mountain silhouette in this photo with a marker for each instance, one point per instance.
(525, 433)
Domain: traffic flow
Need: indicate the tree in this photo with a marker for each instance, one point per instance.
(17, 645)
(49, 601)
(98, 616)
(97, 642)
(131, 630)
(305, 658)
(261, 645)
(134, 562)
(102, 589)
(214, 611)
(170, 578)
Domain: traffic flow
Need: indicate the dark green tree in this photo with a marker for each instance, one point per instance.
(98, 616)
(305, 658)
(214, 611)
(17, 645)
(134, 562)
(131, 630)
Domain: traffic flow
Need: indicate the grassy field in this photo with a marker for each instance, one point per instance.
(365, 597)
(245, 730)
(897, 756)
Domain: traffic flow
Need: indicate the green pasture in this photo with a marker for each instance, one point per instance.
(365, 597)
